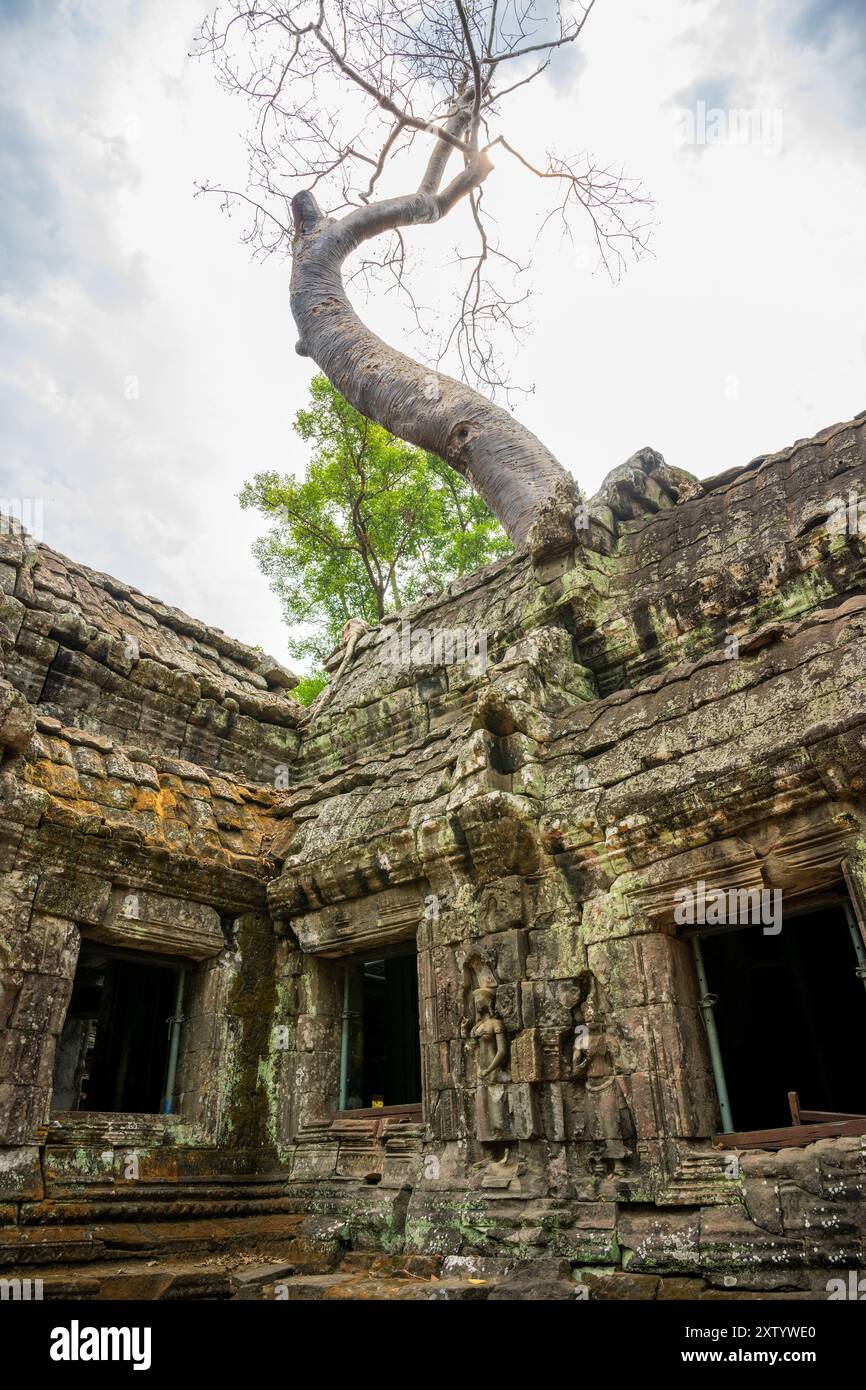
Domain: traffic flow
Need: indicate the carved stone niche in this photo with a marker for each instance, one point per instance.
(597, 1066)
(503, 1108)
(153, 922)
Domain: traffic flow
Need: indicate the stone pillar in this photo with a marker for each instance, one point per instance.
(38, 955)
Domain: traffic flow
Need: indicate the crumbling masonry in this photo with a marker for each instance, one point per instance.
(676, 698)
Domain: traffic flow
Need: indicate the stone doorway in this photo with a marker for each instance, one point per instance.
(383, 1061)
(113, 1053)
(790, 1012)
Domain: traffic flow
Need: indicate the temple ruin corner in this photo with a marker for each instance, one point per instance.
(404, 995)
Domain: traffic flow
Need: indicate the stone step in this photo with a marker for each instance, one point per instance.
(366, 1276)
(363, 1287)
(225, 1275)
(244, 1278)
(376, 1263)
(26, 1248)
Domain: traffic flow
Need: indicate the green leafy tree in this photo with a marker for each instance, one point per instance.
(374, 524)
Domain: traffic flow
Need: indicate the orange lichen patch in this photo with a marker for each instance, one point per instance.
(165, 803)
(100, 791)
(74, 812)
(56, 778)
(117, 795)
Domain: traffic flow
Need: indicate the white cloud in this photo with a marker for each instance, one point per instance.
(742, 334)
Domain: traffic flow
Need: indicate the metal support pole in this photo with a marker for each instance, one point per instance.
(344, 1043)
(706, 1002)
(857, 942)
(175, 1023)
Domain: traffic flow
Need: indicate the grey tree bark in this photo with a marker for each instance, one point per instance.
(504, 461)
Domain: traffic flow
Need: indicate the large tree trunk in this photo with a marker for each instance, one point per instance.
(503, 461)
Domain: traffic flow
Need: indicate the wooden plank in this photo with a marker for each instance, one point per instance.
(791, 1136)
(379, 1112)
(813, 1117)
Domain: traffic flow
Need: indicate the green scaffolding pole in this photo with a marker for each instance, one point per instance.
(175, 1023)
(857, 943)
(344, 1042)
(707, 1001)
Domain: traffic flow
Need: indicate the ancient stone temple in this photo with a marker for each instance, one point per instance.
(532, 961)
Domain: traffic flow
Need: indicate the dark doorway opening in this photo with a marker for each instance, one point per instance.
(385, 1047)
(791, 1016)
(113, 1051)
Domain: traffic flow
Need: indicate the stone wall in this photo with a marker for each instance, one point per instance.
(679, 695)
(139, 749)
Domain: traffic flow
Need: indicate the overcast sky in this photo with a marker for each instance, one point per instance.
(148, 368)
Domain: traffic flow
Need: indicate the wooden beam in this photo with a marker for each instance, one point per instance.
(791, 1136)
(817, 1117)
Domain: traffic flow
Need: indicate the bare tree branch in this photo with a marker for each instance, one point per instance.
(343, 93)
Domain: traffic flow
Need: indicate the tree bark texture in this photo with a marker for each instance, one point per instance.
(505, 462)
